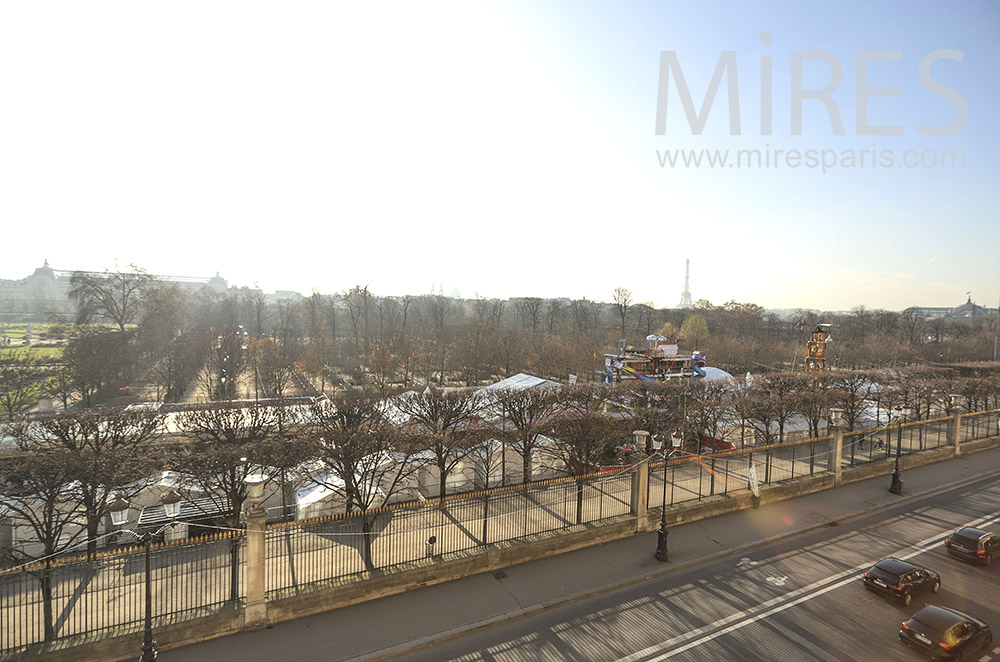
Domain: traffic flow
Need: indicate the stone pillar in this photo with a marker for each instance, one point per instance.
(256, 609)
(837, 456)
(836, 423)
(255, 614)
(640, 492)
(955, 424)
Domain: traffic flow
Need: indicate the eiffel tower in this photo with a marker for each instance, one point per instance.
(686, 294)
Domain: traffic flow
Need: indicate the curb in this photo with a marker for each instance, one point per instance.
(532, 610)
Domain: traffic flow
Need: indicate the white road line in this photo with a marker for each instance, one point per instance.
(740, 619)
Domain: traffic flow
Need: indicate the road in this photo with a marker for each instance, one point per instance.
(800, 599)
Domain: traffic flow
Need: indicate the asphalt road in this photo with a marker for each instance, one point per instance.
(800, 599)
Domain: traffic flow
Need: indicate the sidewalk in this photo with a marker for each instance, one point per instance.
(398, 623)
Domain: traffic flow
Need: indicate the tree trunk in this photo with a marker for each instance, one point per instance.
(366, 541)
(443, 487)
(92, 525)
(46, 580)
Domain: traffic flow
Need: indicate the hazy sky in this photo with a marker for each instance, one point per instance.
(503, 148)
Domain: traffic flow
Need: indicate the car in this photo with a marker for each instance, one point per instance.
(711, 444)
(973, 545)
(945, 634)
(900, 579)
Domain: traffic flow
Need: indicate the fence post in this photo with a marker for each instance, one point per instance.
(955, 424)
(255, 614)
(640, 492)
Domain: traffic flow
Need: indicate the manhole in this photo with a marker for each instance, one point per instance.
(500, 574)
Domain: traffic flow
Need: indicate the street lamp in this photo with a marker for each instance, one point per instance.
(896, 486)
(119, 516)
(662, 554)
(119, 511)
(836, 417)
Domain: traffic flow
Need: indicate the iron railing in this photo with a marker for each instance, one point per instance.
(103, 596)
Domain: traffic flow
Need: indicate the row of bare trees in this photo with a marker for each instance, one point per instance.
(69, 467)
(172, 339)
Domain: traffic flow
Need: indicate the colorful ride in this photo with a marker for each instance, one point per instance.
(659, 361)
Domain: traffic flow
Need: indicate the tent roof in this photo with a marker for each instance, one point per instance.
(519, 381)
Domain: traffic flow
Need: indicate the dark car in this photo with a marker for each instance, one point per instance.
(945, 634)
(901, 579)
(973, 545)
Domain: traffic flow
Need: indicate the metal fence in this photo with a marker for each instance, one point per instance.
(980, 425)
(880, 443)
(105, 595)
(693, 478)
(304, 555)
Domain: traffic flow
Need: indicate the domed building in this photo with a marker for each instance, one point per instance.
(967, 310)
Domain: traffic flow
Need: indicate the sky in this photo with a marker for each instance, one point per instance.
(506, 149)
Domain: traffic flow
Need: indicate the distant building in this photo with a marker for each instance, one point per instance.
(46, 292)
(967, 310)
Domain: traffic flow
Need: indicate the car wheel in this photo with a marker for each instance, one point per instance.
(937, 586)
(907, 599)
(989, 559)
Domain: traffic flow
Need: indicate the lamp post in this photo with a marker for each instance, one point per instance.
(662, 553)
(119, 517)
(896, 486)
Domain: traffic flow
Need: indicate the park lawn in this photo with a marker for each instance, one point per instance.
(49, 354)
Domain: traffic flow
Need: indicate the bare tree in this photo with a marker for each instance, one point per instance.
(104, 445)
(61, 385)
(98, 362)
(163, 317)
(622, 299)
(39, 492)
(226, 362)
(21, 380)
(227, 444)
(585, 437)
(367, 460)
(527, 411)
(851, 392)
(255, 302)
(113, 295)
(274, 363)
(530, 310)
(436, 418)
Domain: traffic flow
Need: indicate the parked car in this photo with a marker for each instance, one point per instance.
(711, 444)
(945, 634)
(973, 545)
(901, 579)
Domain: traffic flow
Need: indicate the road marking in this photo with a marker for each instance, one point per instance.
(778, 581)
(706, 633)
(985, 658)
(745, 561)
